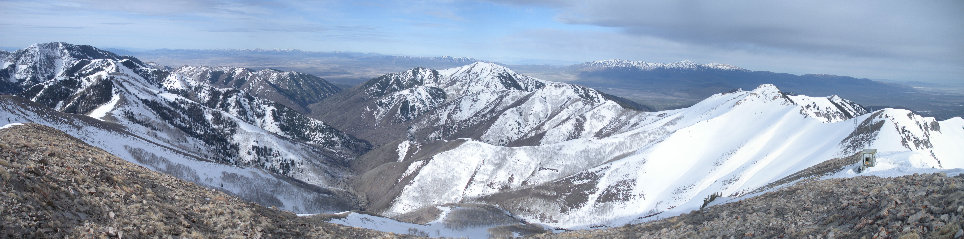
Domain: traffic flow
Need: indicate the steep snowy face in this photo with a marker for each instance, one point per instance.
(48, 60)
(412, 92)
(250, 183)
(387, 84)
(899, 130)
(225, 125)
(82, 85)
(648, 66)
(40, 63)
(482, 101)
(227, 89)
(829, 109)
(292, 89)
(404, 96)
(731, 144)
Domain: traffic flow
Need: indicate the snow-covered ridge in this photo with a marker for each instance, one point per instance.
(293, 89)
(830, 109)
(730, 143)
(647, 66)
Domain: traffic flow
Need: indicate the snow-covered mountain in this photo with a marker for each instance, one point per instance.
(572, 157)
(483, 101)
(732, 144)
(292, 89)
(195, 117)
(648, 66)
(451, 146)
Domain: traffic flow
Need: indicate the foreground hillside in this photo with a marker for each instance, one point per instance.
(53, 185)
(912, 206)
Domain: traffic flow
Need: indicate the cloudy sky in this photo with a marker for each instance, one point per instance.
(879, 39)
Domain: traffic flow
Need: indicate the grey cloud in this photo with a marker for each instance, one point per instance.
(922, 30)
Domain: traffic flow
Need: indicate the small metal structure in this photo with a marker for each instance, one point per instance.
(868, 158)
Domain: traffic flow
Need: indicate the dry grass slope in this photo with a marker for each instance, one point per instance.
(53, 185)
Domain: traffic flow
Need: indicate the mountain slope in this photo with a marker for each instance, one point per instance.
(249, 183)
(482, 100)
(745, 140)
(54, 185)
(224, 125)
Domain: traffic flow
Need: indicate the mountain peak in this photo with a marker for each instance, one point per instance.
(63, 49)
(489, 76)
(766, 88)
(485, 67)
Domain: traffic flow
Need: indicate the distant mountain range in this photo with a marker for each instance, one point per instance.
(659, 86)
(343, 68)
(427, 148)
(681, 84)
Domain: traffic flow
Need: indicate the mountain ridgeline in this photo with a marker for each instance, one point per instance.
(481, 100)
(681, 84)
(449, 146)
